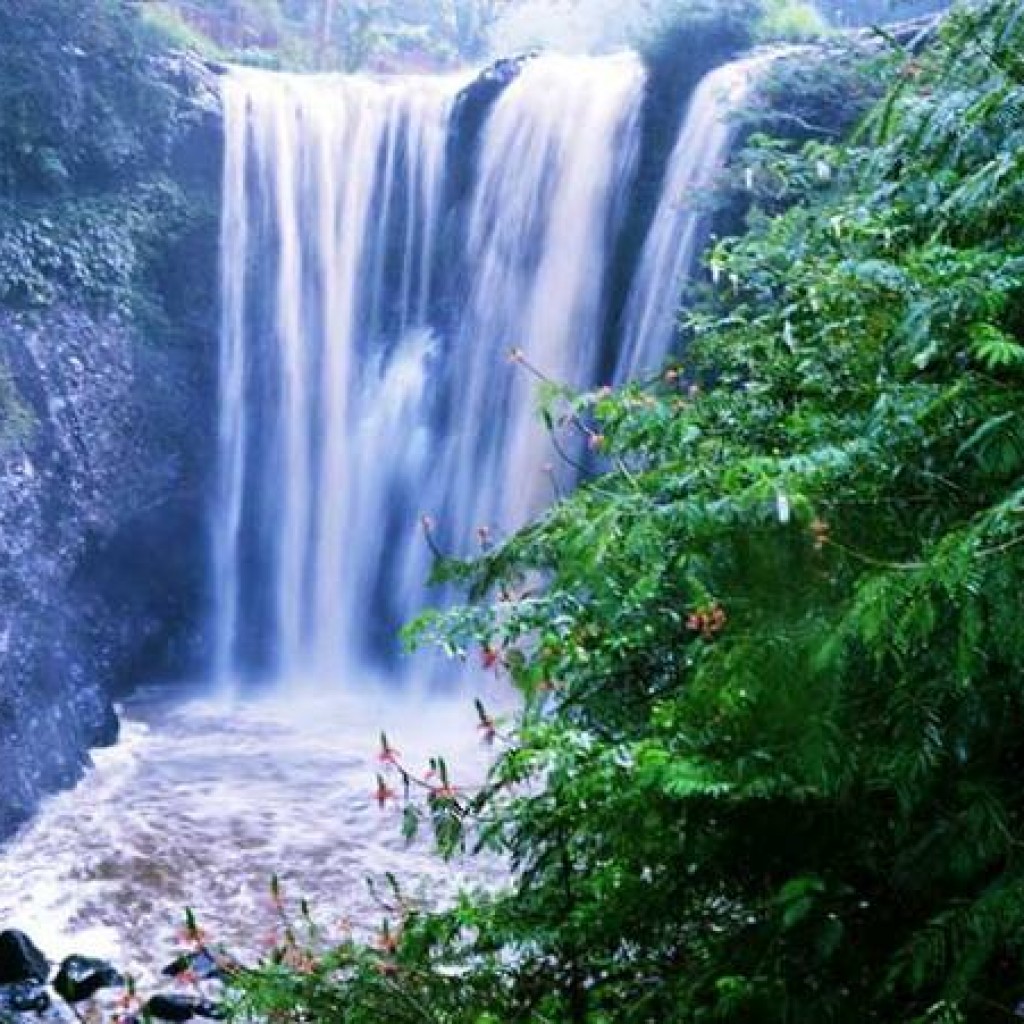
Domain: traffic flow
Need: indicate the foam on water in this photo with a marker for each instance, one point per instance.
(201, 803)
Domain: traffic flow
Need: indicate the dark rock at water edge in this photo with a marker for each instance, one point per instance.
(106, 415)
(100, 535)
(174, 1007)
(80, 977)
(21, 960)
(202, 964)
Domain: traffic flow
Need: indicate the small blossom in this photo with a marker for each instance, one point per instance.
(488, 728)
(387, 753)
(709, 622)
(820, 532)
(386, 940)
(490, 657)
(383, 793)
(192, 936)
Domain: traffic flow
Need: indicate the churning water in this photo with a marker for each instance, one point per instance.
(200, 805)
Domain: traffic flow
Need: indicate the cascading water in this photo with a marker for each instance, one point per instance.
(349, 401)
(333, 190)
(557, 154)
(368, 316)
(677, 231)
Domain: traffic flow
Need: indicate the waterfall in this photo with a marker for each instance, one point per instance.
(556, 155)
(332, 200)
(368, 313)
(677, 232)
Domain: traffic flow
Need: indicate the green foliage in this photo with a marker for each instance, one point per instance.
(88, 247)
(108, 252)
(167, 23)
(336, 34)
(93, 205)
(789, 21)
(768, 763)
(16, 419)
(79, 106)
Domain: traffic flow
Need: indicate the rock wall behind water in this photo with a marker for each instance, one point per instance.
(106, 415)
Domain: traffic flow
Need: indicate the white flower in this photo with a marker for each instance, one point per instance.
(782, 508)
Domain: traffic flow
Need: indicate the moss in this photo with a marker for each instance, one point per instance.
(110, 253)
(793, 21)
(16, 419)
(167, 26)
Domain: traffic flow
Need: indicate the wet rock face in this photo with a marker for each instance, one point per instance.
(100, 534)
(105, 437)
(472, 106)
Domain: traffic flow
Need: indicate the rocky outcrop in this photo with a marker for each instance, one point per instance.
(106, 422)
(85, 988)
(100, 518)
(472, 107)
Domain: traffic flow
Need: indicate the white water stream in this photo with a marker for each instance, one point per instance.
(365, 371)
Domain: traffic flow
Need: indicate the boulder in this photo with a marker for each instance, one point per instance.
(80, 977)
(204, 965)
(201, 964)
(175, 1007)
(21, 959)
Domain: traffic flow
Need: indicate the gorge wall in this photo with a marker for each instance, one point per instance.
(107, 380)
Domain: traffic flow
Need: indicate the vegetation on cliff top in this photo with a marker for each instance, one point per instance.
(768, 768)
(410, 35)
(96, 198)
